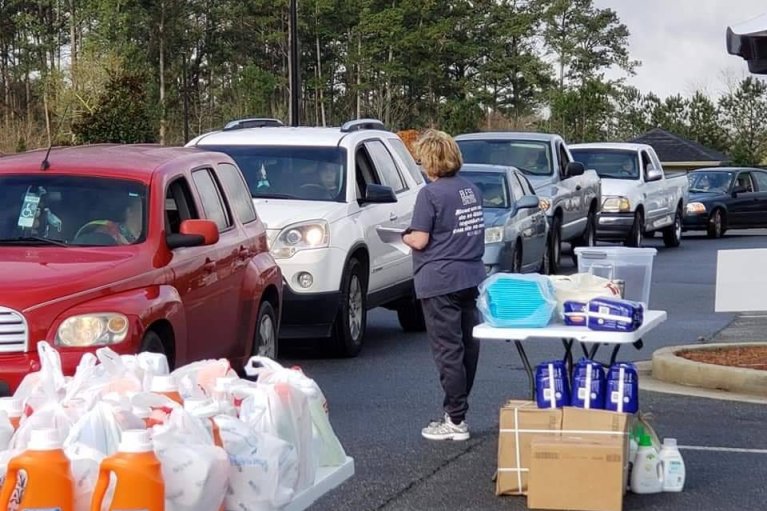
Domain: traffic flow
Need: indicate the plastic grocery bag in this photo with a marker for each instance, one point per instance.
(47, 384)
(263, 469)
(195, 471)
(282, 410)
(85, 464)
(50, 415)
(328, 449)
(198, 379)
(581, 287)
(100, 429)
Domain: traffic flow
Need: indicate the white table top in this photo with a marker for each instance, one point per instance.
(652, 319)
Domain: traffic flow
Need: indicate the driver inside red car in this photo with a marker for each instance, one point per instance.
(125, 232)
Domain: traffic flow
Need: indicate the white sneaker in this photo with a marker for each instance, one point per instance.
(446, 430)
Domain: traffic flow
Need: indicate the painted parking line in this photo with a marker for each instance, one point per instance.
(722, 449)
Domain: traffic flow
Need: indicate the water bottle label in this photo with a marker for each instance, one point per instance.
(582, 392)
(615, 397)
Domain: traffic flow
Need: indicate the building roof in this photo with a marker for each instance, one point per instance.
(673, 148)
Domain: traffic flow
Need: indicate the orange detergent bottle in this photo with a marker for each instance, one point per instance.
(49, 483)
(14, 408)
(165, 386)
(138, 476)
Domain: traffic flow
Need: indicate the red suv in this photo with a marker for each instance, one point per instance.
(139, 248)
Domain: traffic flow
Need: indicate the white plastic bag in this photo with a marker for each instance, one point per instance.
(581, 287)
(101, 428)
(282, 410)
(263, 470)
(47, 384)
(51, 415)
(85, 464)
(328, 449)
(198, 379)
(195, 471)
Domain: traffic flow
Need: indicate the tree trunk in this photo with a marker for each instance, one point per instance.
(387, 106)
(73, 44)
(163, 113)
(359, 76)
(320, 85)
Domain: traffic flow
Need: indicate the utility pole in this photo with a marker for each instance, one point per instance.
(294, 67)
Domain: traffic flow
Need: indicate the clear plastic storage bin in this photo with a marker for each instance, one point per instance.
(631, 265)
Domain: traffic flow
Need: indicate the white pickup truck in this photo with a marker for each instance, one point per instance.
(638, 198)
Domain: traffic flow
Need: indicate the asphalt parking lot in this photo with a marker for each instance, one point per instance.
(380, 400)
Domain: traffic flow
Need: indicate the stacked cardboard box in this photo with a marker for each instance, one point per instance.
(582, 455)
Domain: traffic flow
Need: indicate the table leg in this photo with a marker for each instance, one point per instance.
(528, 368)
(568, 344)
(593, 352)
(616, 349)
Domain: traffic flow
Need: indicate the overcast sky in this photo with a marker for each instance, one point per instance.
(681, 43)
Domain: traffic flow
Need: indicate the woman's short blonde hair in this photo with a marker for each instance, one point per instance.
(438, 153)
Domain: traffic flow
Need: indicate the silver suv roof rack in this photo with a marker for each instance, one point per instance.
(362, 124)
(253, 122)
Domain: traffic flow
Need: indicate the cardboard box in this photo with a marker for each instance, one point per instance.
(578, 473)
(520, 422)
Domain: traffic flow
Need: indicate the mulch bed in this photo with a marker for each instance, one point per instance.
(746, 357)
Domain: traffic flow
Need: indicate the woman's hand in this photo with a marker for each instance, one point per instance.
(417, 240)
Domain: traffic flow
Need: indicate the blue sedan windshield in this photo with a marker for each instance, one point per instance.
(494, 188)
(712, 182)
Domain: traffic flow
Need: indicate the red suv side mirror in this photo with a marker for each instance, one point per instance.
(194, 233)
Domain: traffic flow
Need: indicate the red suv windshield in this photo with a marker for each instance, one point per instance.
(71, 210)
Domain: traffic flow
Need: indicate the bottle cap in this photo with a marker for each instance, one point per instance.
(163, 383)
(135, 440)
(645, 441)
(46, 439)
(669, 442)
(12, 406)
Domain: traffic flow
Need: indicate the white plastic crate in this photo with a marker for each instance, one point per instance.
(631, 265)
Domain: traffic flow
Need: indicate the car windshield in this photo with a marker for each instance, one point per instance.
(609, 163)
(530, 156)
(494, 188)
(61, 210)
(711, 182)
(290, 172)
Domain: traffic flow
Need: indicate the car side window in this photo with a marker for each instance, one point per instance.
(646, 163)
(212, 201)
(564, 159)
(744, 180)
(365, 171)
(237, 190)
(516, 188)
(761, 180)
(385, 165)
(179, 205)
(412, 167)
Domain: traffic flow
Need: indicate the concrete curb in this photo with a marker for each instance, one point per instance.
(670, 368)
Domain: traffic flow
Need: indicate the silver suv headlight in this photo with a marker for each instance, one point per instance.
(92, 329)
(301, 236)
(616, 205)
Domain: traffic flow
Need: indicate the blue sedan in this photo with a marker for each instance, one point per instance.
(516, 231)
(725, 198)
